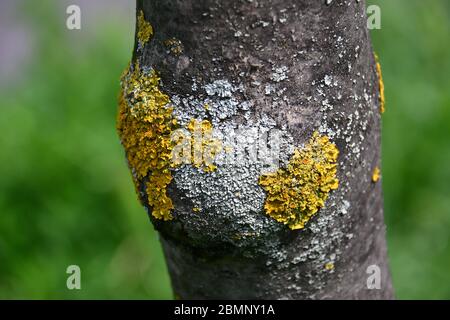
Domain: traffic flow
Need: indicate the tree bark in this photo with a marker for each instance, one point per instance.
(299, 66)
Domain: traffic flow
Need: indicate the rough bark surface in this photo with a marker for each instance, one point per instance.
(310, 66)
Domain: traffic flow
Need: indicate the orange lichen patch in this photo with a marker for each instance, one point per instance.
(297, 192)
(376, 174)
(175, 46)
(144, 125)
(145, 29)
(204, 146)
(380, 84)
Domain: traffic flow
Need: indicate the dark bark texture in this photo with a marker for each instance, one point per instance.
(310, 66)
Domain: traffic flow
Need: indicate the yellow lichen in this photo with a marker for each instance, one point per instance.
(204, 146)
(145, 29)
(144, 125)
(297, 192)
(376, 174)
(228, 149)
(329, 266)
(146, 128)
(380, 84)
(175, 46)
(196, 209)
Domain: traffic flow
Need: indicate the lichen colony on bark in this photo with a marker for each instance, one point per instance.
(286, 98)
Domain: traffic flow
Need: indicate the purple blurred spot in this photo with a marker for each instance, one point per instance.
(15, 42)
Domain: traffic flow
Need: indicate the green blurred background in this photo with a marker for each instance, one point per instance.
(66, 196)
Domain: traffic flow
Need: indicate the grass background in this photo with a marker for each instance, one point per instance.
(66, 195)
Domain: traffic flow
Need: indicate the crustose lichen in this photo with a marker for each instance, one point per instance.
(297, 192)
(174, 45)
(380, 84)
(376, 174)
(145, 29)
(145, 124)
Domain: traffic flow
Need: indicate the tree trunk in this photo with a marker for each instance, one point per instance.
(259, 69)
